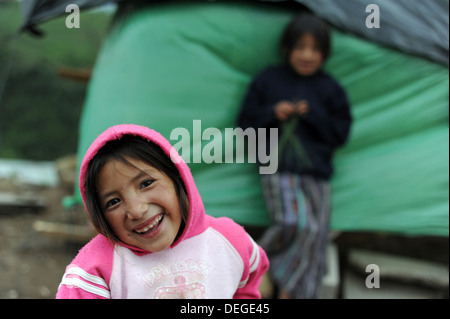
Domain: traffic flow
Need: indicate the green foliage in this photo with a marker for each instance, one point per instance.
(39, 109)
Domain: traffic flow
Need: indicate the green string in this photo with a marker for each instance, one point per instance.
(289, 139)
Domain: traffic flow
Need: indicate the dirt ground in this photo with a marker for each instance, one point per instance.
(32, 263)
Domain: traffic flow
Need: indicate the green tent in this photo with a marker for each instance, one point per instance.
(174, 65)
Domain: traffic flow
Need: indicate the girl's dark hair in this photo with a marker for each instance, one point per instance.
(137, 148)
(301, 24)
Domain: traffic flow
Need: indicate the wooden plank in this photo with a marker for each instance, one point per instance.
(70, 232)
(82, 75)
(11, 202)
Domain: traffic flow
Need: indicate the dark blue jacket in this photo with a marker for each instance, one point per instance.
(324, 128)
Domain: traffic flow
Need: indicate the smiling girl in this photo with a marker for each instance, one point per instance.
(155, 240)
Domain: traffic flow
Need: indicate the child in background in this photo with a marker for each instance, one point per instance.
(312, 113)
(155, 239)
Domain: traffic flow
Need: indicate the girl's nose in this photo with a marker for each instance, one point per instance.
(137, 209)
(308, 53)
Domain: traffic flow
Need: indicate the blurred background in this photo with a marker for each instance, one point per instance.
(166, 63)
(33, 87)
(43, 83)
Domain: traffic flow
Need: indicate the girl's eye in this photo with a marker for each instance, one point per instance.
(146, 183)
(112, 202)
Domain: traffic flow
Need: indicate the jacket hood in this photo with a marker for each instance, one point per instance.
(196, 221)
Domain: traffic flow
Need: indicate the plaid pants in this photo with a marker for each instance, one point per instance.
(296, 241)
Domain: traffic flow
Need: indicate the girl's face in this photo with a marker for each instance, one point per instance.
(140, 204)
(306, 57)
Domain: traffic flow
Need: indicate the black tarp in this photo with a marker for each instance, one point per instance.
(414, 26)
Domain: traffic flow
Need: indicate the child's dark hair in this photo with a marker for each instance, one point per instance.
(301, 24)
(137, 148)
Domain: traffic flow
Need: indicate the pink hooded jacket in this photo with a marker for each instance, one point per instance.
(213, 258)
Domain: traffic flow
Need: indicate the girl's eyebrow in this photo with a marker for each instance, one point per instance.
(138, 176)
(105, 196)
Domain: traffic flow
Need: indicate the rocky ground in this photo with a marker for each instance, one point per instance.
(31, 262)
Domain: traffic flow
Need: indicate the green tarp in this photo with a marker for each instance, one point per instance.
(168, 65)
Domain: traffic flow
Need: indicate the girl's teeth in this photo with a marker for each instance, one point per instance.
(153, 224)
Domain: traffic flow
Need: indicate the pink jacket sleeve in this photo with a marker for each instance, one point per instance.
(250, 290)
(88, 275)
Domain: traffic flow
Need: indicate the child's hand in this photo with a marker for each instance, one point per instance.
(283, 110)
(302, 107)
